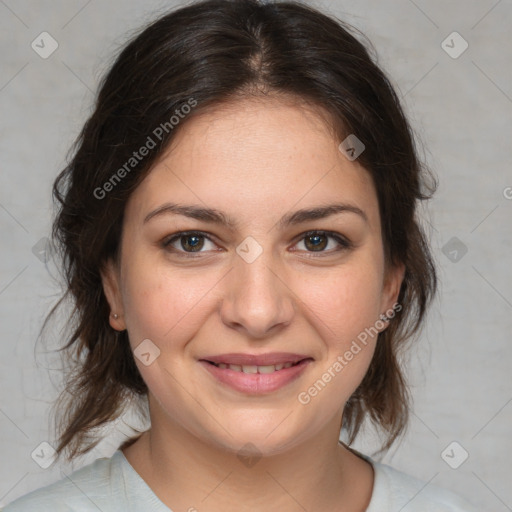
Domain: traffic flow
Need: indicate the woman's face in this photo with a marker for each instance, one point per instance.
(265, 270)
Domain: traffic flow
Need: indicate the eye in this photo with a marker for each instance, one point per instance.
(318, 241)
(188, 242)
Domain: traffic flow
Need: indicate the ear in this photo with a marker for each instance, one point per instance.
(110, 279)
(391, 288)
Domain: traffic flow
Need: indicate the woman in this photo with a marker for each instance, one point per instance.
(239, 237)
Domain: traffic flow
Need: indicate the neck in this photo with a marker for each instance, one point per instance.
(187, 473)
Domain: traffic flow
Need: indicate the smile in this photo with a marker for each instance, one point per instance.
(254, 369)
(256, 379)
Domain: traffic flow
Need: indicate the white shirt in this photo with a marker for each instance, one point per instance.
(113, 485)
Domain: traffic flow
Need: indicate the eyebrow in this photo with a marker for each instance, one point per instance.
(218, 217)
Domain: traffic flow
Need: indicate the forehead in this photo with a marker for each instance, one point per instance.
(255, 157)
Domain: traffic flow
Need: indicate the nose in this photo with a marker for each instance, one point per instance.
(257, 300)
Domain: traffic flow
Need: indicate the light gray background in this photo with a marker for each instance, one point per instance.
(461, 108)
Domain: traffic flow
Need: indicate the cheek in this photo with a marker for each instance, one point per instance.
(163, 304)
(345, 302)
(345, 307)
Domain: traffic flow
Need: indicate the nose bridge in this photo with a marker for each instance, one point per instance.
(257, 299)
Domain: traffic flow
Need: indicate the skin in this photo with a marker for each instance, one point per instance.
(240, 160)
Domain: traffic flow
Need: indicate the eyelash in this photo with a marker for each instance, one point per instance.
(344, 243)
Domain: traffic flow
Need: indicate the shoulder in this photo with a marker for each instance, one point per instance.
(88, 489)
(395, 490)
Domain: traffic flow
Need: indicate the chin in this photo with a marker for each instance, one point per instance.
(266, 440)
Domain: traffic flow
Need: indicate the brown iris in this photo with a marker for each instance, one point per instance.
(318, 241)
(192, 243)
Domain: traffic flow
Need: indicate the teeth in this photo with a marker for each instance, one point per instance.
(254, 369)
(266, 369)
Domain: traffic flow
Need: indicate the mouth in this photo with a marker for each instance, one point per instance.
(256, 363)
(266, 369)
(253, 374)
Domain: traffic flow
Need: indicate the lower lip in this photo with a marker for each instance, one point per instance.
(257, 383)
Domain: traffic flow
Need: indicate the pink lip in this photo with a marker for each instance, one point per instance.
(256, 383)
(271, 358)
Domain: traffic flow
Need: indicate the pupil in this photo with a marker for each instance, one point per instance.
(192, 242)
(318, 241)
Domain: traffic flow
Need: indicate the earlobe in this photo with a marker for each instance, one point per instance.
(111, 289)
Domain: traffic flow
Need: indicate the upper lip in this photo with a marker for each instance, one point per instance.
(272, 358)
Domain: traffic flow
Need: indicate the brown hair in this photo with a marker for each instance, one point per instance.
(209, 52)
